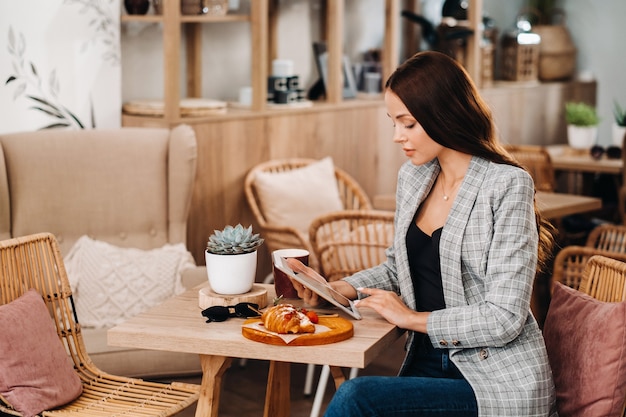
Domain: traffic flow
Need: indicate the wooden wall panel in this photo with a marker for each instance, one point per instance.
(357, 134)
(534, 114)
(227, 150)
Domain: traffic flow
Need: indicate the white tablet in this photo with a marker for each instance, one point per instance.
(319, 286)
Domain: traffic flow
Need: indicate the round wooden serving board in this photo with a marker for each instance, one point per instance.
(209, 298)
(340, 329)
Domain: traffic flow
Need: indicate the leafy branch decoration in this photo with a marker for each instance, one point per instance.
(104, 28)
(43, 93)
(46, 96)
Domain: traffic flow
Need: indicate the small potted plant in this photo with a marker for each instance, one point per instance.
(619, 124)
(231, 259)
(582, 125)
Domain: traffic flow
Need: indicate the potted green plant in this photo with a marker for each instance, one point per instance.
(619, 124)
(582, 125)
(231, 259)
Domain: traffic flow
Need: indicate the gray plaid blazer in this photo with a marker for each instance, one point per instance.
(488, 256)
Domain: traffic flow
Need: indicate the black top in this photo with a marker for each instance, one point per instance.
(423, 253)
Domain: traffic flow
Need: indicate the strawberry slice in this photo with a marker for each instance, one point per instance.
(312, 315)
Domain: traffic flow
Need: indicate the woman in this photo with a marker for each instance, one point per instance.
(460, 272)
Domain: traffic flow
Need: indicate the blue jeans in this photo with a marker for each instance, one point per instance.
(431, 386)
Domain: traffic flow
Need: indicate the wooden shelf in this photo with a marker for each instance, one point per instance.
(264, 46)
(155, 18)
(146, 18)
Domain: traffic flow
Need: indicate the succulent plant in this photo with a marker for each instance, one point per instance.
(233, 240)
(619, 114)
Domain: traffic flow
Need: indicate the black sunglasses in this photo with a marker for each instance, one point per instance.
(612, 152)
(222, 313)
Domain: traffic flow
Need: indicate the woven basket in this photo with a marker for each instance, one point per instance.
(519, 62)
(557, 54)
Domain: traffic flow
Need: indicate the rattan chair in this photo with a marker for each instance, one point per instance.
(350, 241)
(621, 192)
(570, 263)
(346, 242)
(537, 161)
(35, 262)
(279, 236)
(609, 237)
(604, 278)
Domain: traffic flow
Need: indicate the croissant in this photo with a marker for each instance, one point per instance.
(285, 318)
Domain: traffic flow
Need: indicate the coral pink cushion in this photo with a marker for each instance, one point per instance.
(585, 339)
(36, 372)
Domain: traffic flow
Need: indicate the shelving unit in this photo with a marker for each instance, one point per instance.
(176, 25)
(264, 45)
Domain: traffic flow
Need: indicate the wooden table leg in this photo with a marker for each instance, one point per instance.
(213, 368)
(338, 375)
(277, 396)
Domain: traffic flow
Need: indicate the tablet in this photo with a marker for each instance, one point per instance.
(319, 286)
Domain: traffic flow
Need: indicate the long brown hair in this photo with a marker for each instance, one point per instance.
(441, 96)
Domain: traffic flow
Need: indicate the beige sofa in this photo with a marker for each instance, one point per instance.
(129, 187)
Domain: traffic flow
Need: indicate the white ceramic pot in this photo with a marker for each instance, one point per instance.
(582, 137)
(231, 274)
(618, 134)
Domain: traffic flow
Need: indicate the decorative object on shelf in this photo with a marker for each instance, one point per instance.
(157, 5)
(210, 7)
(619, 124)
(557, 55)
(321, 58)
(582, 125)
(136, 6)
(189, 107)
(520, 52)
(450, 36)
(488, 46)
(231, 259)
(368, 72)
(283, 86)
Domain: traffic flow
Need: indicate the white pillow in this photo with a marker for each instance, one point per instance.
(296, 197)
(111, 284)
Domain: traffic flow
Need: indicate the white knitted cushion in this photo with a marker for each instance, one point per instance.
(111, 284)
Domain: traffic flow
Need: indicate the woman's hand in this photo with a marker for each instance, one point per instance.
(389, 305)
(308, 296)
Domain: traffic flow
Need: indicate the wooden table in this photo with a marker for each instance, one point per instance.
(551, 205)
(557, 205)
(578, 163)
(178, 326)
(565, 158)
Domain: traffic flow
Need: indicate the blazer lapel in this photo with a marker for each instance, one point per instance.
(413, 191)
(450, 245)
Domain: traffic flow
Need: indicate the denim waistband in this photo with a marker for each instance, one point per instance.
(429, 361)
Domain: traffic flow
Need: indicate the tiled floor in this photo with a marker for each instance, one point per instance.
(243, 390)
